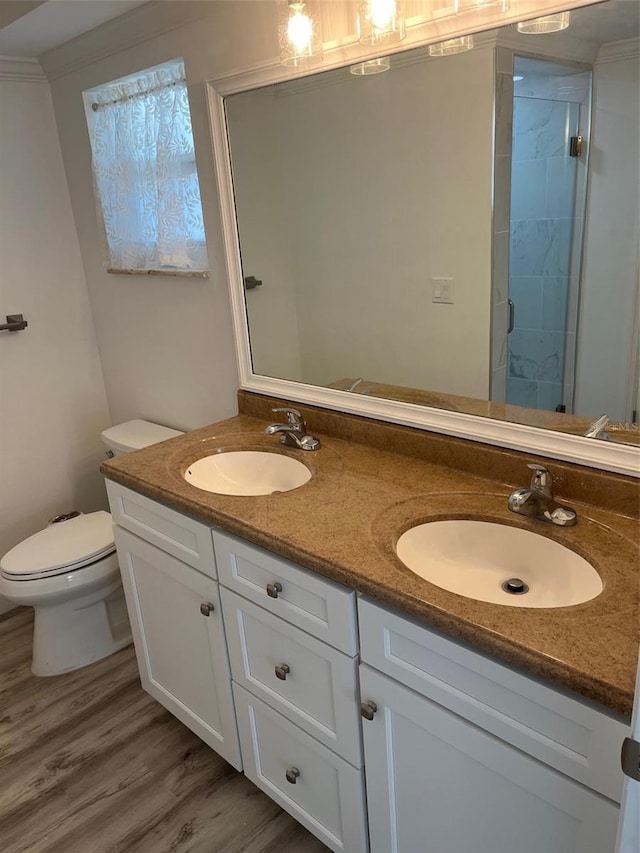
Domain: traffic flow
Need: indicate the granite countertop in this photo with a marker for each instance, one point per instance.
(344, 522)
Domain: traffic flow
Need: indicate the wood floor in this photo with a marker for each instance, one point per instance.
(89, 763)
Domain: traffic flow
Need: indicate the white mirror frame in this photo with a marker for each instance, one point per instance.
(610, 456)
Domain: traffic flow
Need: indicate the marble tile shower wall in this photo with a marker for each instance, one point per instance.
(543, 224)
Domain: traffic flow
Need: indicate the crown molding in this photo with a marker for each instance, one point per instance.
(20, 69)
(145, 22)
(616, 50)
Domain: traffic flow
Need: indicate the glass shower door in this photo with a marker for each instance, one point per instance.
(545, 228)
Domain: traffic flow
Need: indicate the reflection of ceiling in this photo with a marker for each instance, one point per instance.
(589, 29)
(29, 29)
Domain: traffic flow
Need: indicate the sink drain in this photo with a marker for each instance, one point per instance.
(515, 586)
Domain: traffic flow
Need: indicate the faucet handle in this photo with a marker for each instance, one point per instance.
(293, 416)
(541, 479)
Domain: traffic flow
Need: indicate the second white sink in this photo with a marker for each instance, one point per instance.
(487, 561)
(247, 472)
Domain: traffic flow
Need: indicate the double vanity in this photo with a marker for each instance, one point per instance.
(383, 703)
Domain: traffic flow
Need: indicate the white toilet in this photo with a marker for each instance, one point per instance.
(69, 574)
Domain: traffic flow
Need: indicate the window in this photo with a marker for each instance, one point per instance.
(144, 169)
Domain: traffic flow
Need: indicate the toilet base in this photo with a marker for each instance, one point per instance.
(75, 634)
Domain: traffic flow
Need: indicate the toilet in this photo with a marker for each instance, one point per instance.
(69, 574)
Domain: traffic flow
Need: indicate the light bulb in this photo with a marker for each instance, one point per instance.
(380, 21)
(299, 32)
(300, 28)
(382, 14)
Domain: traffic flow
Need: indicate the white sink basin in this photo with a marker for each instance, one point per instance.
(247, 472)
(475, 559)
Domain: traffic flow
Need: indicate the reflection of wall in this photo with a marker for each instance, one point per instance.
(387, 185)
(610, 271)
(265, 241)
(52, 397)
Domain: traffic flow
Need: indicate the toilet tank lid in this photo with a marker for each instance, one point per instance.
(133, 435)
(72, 544)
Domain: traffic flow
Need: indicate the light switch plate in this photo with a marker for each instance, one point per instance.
(442, 290)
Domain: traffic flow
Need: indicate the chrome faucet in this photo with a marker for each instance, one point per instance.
(537, 501)
(598, 429)
(294, 432)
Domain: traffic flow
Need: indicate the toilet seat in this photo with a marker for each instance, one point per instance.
(61, 548)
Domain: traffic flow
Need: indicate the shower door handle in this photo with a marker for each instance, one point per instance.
(512, 316)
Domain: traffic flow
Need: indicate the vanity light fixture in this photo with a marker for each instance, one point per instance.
(380, 21)
(451, 46)
(299, 32)
(460, 6)
(546, 24)
(371, 66)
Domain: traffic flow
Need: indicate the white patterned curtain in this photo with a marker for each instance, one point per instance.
(145, 173)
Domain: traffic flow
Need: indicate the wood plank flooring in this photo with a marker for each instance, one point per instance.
(89, 763)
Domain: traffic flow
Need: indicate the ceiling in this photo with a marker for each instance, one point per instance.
(29, 28)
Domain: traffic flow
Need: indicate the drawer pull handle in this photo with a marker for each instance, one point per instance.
(273, 589)
(368, 709)
(206, 609)
(292, 775)
(282, 671)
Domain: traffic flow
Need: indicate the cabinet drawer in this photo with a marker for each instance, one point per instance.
(313, 784)
(318, 606)
(572, 736)
(309, 682)
(177, 534)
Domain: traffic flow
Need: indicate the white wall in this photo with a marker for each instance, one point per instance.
(367, 176)
(52, 397)
(610, 261)
(166, 344)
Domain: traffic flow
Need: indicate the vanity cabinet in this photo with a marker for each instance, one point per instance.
(460, 753)
(176, 616)
(293, 649)
(463, 754)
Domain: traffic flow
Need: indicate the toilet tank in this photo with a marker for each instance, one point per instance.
(133, 435)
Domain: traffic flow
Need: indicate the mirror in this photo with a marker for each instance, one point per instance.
(402, 239)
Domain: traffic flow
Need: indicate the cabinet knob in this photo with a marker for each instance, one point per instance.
(292, 775)
(368, 709)
(206, 608)
(273, 589)
(282, 671)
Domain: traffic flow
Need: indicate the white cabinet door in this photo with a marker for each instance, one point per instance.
(181, 651)
(629, 828)
(438, 784)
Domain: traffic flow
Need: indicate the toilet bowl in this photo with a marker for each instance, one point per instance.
(69, 574)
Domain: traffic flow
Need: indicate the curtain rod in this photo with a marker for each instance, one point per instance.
(95, 107)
